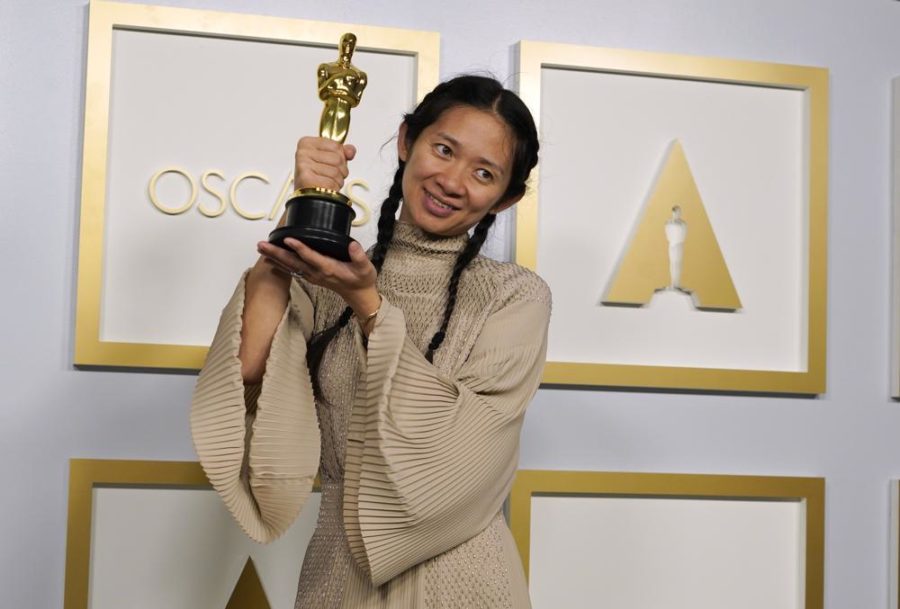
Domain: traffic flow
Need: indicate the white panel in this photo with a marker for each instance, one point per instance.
(639, 553)
(156, 548)
(234, 106)
(745, 146)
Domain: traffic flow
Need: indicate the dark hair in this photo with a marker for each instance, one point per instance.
(479, 92)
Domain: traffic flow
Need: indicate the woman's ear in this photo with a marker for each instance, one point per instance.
(402, 151)
(505, 204)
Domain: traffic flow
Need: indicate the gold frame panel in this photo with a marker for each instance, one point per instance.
(108, 16)
(809, 491)
(84, 476)
(87, 474)
(533, 56)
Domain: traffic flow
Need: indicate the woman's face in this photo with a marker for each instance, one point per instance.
(456, 171)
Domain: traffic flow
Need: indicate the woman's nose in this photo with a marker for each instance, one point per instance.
(451, 179)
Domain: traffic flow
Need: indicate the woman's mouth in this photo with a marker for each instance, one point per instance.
(436, 206)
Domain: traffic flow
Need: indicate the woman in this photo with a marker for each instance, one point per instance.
(411, 413)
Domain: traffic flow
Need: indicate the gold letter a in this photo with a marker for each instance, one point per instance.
(248, 592)
(674, 246)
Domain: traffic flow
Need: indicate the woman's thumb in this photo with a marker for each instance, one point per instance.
(356, 251)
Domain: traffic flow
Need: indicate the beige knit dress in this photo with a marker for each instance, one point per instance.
(415, 459)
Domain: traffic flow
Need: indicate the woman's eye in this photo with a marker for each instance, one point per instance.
(484, 175)
(442, 149)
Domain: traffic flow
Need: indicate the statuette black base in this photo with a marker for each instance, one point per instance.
(319, 218)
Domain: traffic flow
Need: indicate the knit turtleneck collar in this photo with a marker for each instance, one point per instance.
(412, 239)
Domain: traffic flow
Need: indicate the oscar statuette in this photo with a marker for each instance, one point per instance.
(320, 217)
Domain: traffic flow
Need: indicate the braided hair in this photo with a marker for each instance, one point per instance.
(479, 92)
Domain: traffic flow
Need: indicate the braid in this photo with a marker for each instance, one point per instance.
(318, 344)
(473, 246)
(315, 350)
(388, 219)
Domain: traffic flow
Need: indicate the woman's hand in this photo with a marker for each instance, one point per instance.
(353, 281)
(321, 163)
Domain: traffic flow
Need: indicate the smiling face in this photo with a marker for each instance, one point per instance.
(456, 171)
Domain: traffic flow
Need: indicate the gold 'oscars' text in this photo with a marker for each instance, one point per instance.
(218, 194)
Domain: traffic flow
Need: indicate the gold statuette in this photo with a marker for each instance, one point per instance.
(341, 85)
(319, 217)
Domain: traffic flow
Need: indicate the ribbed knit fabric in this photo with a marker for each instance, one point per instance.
(416, 458)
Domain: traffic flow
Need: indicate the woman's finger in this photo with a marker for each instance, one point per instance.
(321, 157)
(286, 260)
(322, 151)
(358, 256)
(317, 263)
(333, 175)
(279, 266)
(323, 175)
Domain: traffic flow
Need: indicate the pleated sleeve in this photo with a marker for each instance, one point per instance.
(259, 445)
(430, 458)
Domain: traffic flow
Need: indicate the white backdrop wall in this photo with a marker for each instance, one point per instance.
(50, 412)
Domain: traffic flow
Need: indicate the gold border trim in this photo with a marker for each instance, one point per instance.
(534, 56)
(108, 16)
(808, 491)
